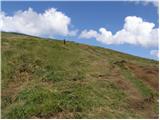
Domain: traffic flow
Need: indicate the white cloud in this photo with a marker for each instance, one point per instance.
(88, 34)
(146, 2)
(154, 2)
(155, 53)
(135, 31)
(49, 23)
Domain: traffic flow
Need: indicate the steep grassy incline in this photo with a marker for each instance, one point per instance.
(46, 79)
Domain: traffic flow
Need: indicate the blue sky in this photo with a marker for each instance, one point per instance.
(93, 16)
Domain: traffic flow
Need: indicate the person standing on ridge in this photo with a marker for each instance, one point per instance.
(64, 41)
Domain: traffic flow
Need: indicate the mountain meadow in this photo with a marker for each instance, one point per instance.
(45, 78)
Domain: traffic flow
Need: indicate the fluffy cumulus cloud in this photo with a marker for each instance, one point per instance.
(155, 53)
(135, 31)
(88, 34)
(49, 23)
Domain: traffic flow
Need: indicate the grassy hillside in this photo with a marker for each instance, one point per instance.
(44, 78)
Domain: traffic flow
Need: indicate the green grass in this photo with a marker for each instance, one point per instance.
(143, 88)
(43, 78)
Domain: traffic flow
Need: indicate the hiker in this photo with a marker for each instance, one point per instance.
(64, 41)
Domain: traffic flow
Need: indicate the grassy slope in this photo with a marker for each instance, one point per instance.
(47, 79)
